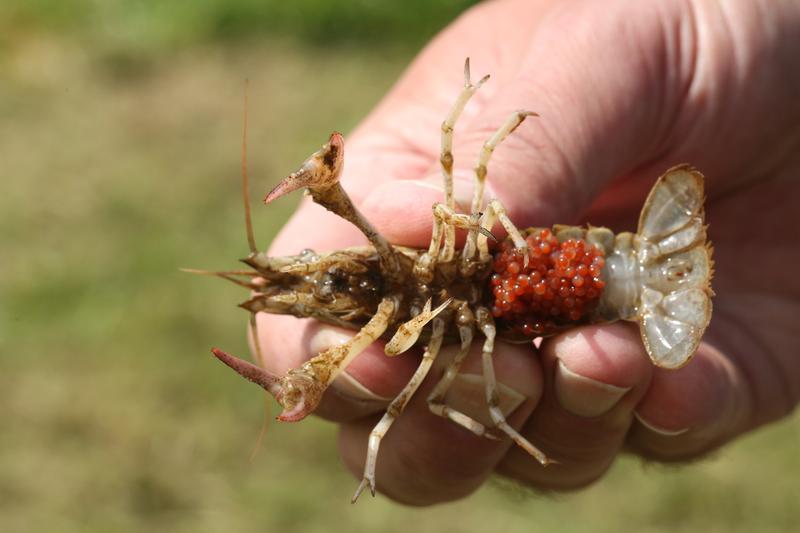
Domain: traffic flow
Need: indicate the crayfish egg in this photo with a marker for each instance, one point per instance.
(561, 284)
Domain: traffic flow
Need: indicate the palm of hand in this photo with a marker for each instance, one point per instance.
(623, 96)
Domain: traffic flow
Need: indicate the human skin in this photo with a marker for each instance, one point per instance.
(625, 90)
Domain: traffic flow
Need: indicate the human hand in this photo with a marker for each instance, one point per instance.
(625, 90)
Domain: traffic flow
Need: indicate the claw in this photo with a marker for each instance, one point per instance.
(408, 333)
(361, 486)
(487, 233)
(525, 257)
(297, 392)
(319, 172)
(296, 413)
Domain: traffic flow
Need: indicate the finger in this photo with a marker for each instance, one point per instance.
(692, 410)
(425, 458)
(595, 376)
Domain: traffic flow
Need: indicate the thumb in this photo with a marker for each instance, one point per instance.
(602, 100)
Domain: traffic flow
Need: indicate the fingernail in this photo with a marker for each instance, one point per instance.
(467, 394)
(584, 396)
(345, 384)
(659, 430)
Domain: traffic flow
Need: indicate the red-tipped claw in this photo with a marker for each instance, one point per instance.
(319, 171)
(297, 392)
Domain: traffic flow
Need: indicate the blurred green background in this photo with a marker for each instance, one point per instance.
(119, 156)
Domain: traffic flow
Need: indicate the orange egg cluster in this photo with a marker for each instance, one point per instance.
(561, 284)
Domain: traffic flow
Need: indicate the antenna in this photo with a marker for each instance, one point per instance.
(251, 239)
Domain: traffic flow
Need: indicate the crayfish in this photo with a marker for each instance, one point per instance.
(537, 282)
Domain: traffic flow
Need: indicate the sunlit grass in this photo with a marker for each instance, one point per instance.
(116, 418)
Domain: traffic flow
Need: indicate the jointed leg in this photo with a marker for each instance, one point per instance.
(446, 156)
(446, 217)
(397, 406)
(436, 399)
(499, 136)
(452, 220)
(496, 211)
(508, 127)
(446, 160)
(443, 218)
(342, 260)
(300, 390)
(298, 304)
(486, 324)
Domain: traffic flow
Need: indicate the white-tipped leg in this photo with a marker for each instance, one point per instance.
(511, 123)
(397, 406)
(436, 399)
(500, 210)
(486, 325)
(508, 127)
(446, 155)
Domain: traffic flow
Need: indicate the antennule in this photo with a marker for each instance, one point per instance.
(228, 276)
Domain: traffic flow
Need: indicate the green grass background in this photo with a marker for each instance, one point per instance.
(119, 155)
